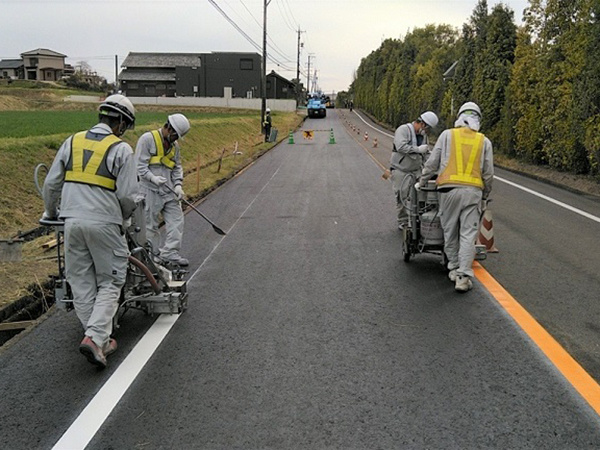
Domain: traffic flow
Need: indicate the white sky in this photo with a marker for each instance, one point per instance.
(338, 33)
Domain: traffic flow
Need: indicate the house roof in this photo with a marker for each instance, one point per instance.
(11, 63)
(43, 52)
(171, 60)
(276, 75)
(161, 59)
(131, 75)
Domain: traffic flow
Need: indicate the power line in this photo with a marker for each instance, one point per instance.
(245, 35)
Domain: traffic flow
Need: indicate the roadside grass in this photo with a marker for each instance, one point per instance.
(19, 124)
(214, 133)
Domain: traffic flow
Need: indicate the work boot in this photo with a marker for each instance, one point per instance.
(178, 261)
(110, 347)
(92, 352)
(463, 283)
(452, 275)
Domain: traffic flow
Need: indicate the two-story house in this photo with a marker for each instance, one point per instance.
(43, 64)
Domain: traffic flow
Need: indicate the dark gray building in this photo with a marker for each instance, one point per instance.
(279, 87)
(191, 74)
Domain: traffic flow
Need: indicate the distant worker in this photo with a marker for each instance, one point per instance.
(161, 178)
(410, 150)
(463, 160)
(267, 124)
(94, 176)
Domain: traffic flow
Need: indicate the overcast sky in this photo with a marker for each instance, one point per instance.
(336, 33)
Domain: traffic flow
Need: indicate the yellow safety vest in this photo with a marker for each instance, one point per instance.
(87, 164)
(160, 157)
(464, 165)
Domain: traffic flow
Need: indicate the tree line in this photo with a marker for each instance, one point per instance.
(538, 84)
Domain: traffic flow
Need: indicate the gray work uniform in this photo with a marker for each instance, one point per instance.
(160, 200)
(460, 206)
(95, 248)
(405, 166)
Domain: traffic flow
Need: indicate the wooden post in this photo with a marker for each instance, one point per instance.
(221, 160)
(198, 174)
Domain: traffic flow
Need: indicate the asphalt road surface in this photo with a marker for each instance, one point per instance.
(306, 329)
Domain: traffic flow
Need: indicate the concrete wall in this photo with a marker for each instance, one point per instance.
(219, 102)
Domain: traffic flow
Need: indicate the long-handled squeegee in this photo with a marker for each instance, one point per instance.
(216, 228)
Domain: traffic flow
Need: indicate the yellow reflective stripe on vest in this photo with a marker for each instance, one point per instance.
(464, 165)
(160, 157)
(90, 174)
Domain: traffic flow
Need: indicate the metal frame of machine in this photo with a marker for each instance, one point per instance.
(149, 286)
(424, 233)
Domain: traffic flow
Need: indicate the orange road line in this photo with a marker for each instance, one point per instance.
(365, 148)
(587, 387)
(576, 375)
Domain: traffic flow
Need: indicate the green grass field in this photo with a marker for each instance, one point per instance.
(21, 124)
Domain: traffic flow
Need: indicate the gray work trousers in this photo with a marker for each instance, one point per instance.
(460, 210)
(170, 208)
(401, 184)
(96, 266)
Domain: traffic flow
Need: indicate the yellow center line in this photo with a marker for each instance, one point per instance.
(587, 387)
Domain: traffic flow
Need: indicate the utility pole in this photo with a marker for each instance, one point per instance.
(263, 106)
(298, 92)
(308, 73)
(116, 73)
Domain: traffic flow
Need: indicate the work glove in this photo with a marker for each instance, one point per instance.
(179, 192)
(422, 149)
(158, 180)
(418, 186)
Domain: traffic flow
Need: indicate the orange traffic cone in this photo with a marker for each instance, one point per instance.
(486, 231)
(366, 136)
(375, 142)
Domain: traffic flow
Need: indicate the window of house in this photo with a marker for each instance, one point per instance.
(133, 86)
(150, 89)
(246, 64)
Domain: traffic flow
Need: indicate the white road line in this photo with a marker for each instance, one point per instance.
(518, 186)
(81, 432)
(550, 199)
(376, 129)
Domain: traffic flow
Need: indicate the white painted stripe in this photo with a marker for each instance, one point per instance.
(550, 199)
(376, 129)
(81, 432)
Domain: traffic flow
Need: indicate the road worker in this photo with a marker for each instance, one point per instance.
(267, 124)
(463, 161)
(161, 178)
(410, 150)
(94, 178)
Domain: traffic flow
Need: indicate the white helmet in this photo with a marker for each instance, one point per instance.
(469, 106)
(268, 110)
(429, 118)
(118, 106)
(179, 123)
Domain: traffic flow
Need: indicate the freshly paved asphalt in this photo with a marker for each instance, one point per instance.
(307, 330)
